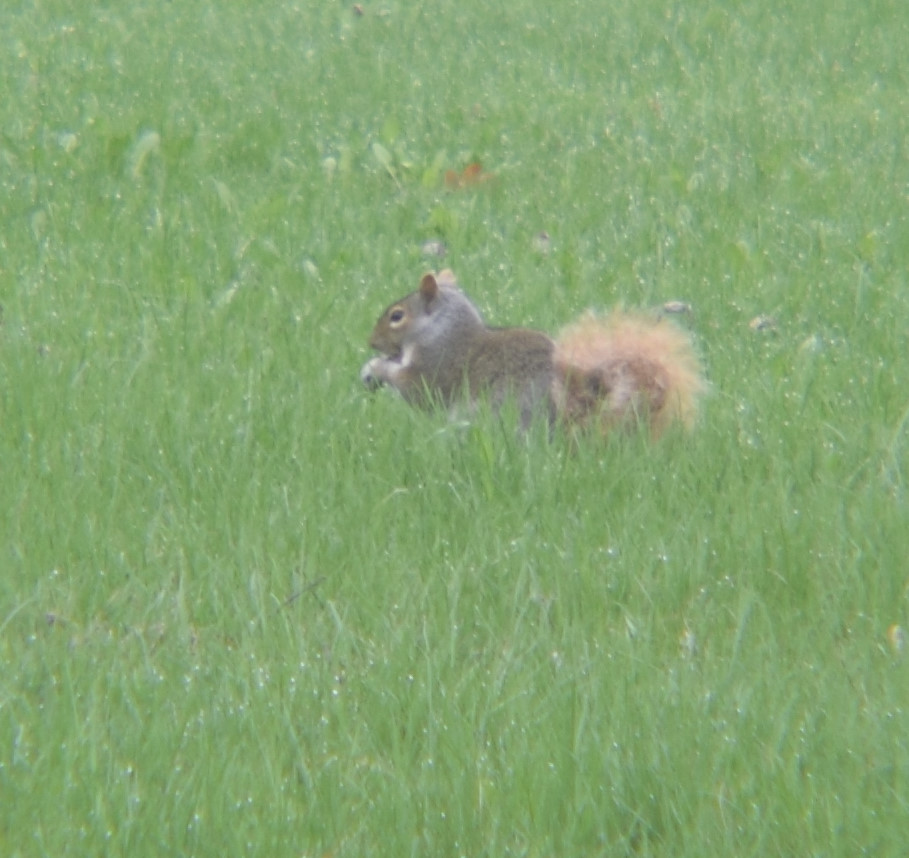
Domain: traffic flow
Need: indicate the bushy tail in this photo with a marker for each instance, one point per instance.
(626, 369)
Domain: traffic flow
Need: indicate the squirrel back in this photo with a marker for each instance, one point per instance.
(434, 347)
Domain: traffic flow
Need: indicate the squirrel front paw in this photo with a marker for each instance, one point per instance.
(371, 373)
(382, 369)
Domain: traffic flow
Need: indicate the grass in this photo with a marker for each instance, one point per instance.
(248, 609)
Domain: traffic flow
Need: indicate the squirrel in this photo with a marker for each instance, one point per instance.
(598, 374)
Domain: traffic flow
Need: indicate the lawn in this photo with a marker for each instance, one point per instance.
(248, 608)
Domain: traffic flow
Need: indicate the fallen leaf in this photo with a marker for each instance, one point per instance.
(433, 247)
(763, 323)
(471, 175)
(676, 307)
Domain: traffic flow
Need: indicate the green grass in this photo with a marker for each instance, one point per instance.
(246, 608)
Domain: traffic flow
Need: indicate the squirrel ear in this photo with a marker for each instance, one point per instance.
(428, 287)
(446, 277)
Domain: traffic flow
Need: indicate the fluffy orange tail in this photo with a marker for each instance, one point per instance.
(626, 369)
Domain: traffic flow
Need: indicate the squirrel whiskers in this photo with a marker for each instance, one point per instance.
(434, 347)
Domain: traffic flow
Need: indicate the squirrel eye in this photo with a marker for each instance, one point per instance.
(397, 315)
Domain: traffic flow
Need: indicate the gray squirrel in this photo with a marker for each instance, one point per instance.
(435, 349)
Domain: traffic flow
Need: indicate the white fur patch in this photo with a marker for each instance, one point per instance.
(383, 370)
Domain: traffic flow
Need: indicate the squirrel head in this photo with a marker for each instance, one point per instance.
(435, 306)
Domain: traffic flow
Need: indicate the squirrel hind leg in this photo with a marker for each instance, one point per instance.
(609, 397)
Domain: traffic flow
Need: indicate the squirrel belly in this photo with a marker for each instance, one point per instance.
(434, 348)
